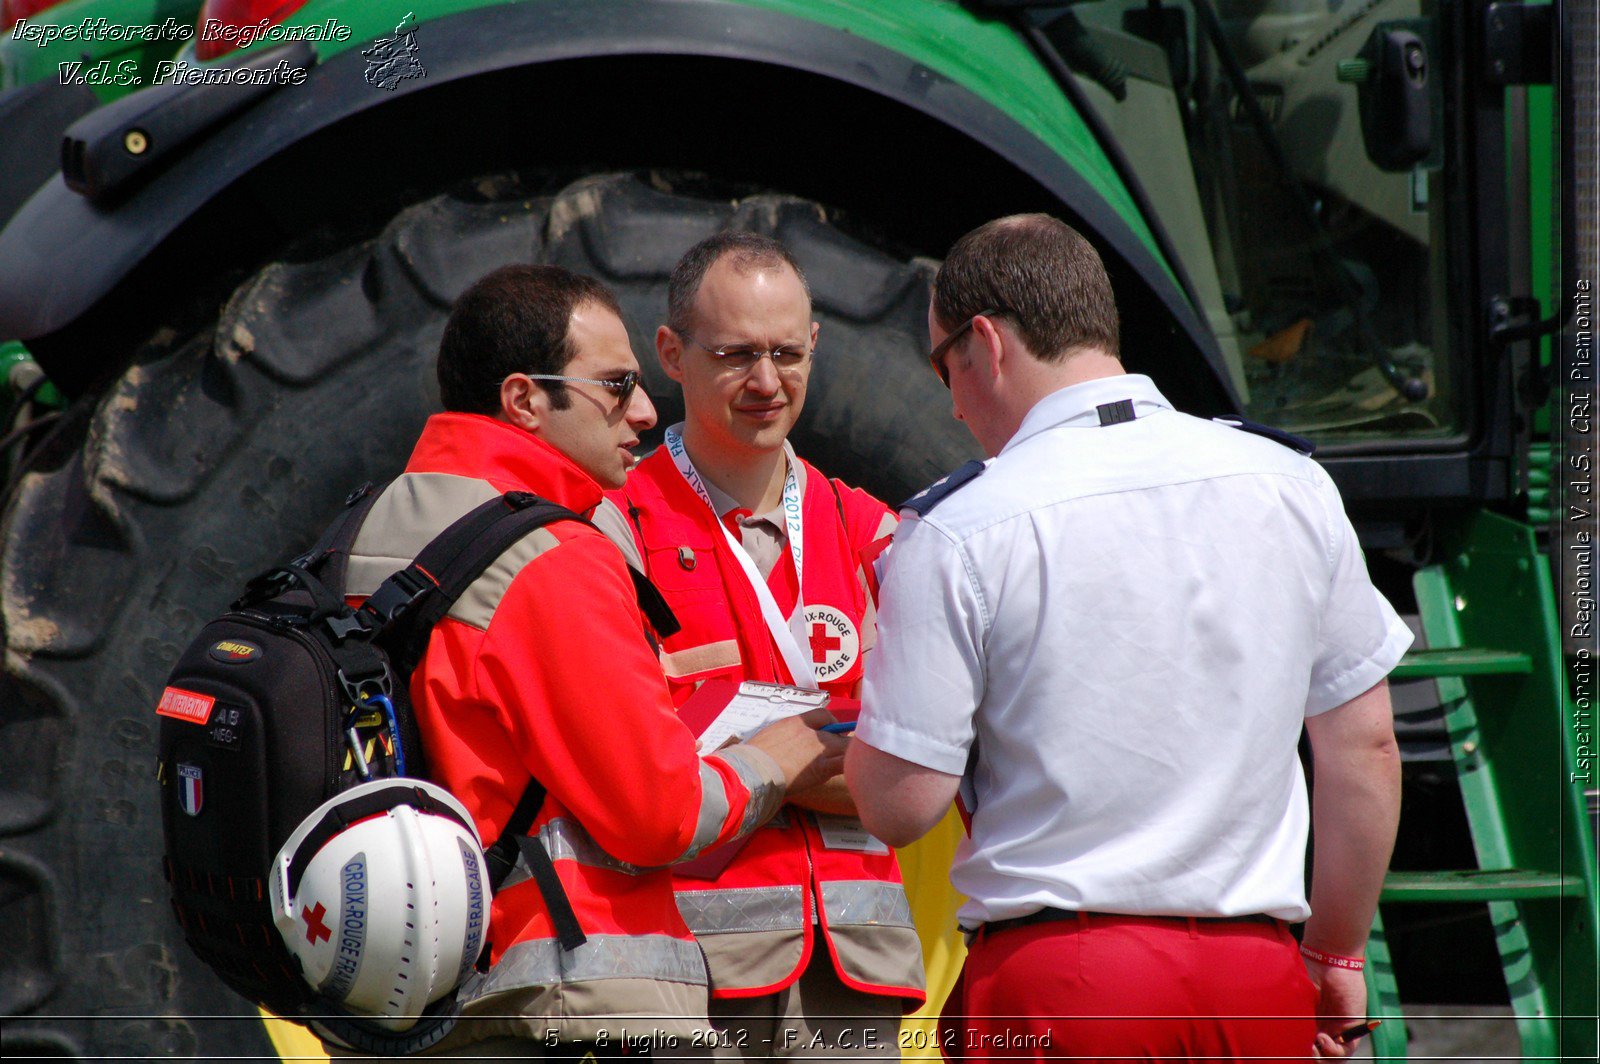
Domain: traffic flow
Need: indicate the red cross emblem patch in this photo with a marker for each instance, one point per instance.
(315, 928)
(833, 641)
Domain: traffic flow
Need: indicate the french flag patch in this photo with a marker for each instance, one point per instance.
(191, 788)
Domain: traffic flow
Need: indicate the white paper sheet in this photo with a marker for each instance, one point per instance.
(754, 707)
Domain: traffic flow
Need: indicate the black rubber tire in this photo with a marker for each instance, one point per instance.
(217, 454)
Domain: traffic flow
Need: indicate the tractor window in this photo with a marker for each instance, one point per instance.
(1321, 271)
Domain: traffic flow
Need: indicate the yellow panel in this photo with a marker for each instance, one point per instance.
(292, 1041)
(925, 864)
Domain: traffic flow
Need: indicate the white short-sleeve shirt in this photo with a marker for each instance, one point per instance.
(1115, 634)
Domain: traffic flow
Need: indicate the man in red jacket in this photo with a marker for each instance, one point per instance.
(806, 928)
(543, 668)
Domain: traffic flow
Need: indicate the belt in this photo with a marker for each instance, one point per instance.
(1050, 915)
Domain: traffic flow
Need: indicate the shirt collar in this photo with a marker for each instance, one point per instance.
(511, 459)
(724, 503)
(1075, 406)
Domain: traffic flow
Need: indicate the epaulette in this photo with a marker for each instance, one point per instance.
(930, 496)
(1288, 439)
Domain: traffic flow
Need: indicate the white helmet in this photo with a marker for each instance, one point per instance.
(381, 894)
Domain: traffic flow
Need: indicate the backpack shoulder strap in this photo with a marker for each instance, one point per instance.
(653, 604)
(407, 605)
(514, 841)
(461, 553)
(320, 569)
(330, 555)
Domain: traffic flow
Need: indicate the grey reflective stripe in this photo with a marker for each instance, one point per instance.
(542, 962)
(609, 519)
(410, 512)
(709, 912)
(567, 840)
(713, 811)
(865, 901)
(762, 777)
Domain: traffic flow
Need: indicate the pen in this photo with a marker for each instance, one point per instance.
(839, 728)
(1356, 1033)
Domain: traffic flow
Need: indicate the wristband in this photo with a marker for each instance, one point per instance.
(1333, 960)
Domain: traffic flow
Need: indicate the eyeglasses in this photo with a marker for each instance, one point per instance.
(936, 357)
(742, 358)
(623, 385)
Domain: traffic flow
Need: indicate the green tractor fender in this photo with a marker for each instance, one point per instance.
(129, 232)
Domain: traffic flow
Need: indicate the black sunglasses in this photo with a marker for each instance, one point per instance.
(936, 357)
(623, 385)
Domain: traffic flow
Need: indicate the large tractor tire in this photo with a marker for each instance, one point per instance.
(217, 453)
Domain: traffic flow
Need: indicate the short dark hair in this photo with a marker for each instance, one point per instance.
(1043, 273)
(750, 251)
(516, 319)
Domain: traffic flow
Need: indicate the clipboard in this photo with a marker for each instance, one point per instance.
(726, 711)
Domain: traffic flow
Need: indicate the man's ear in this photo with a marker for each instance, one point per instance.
(522, 402)
(994, 350)
(816, 330)
(669, 352)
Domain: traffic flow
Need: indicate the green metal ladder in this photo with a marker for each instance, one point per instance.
(1490, 620)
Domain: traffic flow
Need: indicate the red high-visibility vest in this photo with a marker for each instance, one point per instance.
(755, 919)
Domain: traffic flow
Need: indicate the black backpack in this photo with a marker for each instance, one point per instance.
(292, 697)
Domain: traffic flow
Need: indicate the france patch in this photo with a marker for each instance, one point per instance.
(191, 788)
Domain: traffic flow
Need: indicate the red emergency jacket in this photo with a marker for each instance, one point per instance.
(542, 667)
(755, 919)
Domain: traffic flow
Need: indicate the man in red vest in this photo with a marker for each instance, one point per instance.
(806, 928)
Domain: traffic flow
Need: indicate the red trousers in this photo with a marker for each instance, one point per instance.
(1117, 988)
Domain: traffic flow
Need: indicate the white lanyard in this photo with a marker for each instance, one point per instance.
(787, 633)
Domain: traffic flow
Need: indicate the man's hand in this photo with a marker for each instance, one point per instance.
(830, 798)
(806, 755)
(1341, 1004)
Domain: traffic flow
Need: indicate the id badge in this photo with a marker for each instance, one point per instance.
(846, 833)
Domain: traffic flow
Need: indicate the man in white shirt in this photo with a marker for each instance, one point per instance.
(1108, 638)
